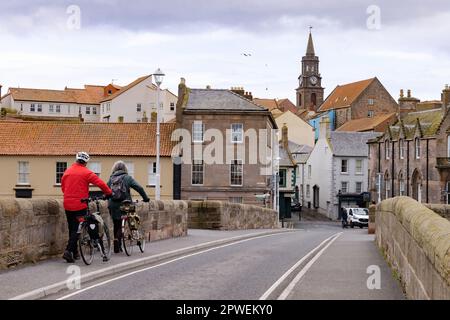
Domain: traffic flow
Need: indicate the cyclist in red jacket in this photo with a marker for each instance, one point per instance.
(75, 186)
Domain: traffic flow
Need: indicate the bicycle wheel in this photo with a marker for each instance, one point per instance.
(140, 233)
(106, 239)
(86, 246)
(127, 238)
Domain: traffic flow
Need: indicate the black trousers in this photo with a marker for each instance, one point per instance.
(72, 222)
(117, 223)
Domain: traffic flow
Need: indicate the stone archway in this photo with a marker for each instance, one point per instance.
(416, 185)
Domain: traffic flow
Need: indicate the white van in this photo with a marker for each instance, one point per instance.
(357, 217)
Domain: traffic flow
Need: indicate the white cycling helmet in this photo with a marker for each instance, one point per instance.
(82, 156)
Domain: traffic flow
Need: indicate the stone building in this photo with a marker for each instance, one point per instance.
(228, 123)
(412, 157)
(336, 170)
(359, 100)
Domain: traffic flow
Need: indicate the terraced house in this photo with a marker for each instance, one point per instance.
(34, 155)
(412, 157)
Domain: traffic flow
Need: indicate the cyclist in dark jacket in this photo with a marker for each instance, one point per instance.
(120, 169)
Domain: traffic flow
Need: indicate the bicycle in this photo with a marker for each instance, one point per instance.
(132, 230)
(90, 238)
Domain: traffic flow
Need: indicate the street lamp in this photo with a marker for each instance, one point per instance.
(159, 76)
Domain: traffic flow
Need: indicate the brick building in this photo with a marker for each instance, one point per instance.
(412, 157)
(358, 100)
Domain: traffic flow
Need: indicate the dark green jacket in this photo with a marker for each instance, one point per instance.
(130, 183)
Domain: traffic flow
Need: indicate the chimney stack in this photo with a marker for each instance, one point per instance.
(324, 128)
(406, 104)
(284, 136)
(409, 93)
(445, 97)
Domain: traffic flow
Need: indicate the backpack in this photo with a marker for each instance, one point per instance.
(118, 188)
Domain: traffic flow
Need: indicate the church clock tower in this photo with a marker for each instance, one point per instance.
(310, 91)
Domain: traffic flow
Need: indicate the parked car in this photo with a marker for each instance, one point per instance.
(357, 217)
(296, 205)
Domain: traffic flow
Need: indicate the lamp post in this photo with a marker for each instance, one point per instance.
(159, 76)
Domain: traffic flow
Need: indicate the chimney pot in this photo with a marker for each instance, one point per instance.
(208, 87)
(409, 93)
(183, 81)
(401, 93)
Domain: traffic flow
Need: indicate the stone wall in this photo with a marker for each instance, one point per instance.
(441, 209)
(416, 242)
(34, 230)
(230, 216)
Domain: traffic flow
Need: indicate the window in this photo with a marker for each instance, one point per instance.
(94, 110)
(344, 187)
(95, 167)
(139, 107)
(32, 107)
(103, 108)
(309, 171)
(387, 188)
(237, 133)
(130, 167)
(370, 114)
(198, 169)
(198, 129)
(39, 108)
(344, 166)
(58, 108)
(68, 109)
(61, 167)
(387, 148)
(21, 107)
(417, 143)
(448, 146)
(88, 110)
(401, 147)
(359, 166)
(236, 173)
(152, 174)
(235, 200)
(24, 172)
(401, 186)
(371, 102)
(282, 182)
(51, 108)
(308, 191)
(358, 188)
(172, 106)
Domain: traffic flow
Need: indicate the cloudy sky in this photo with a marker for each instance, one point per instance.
(404, 43)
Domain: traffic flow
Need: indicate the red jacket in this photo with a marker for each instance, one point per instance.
(75, 186)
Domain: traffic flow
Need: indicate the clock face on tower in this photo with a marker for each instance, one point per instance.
(313, 80)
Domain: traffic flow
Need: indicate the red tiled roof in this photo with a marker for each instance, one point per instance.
(270, 104)
(286, 104)
(126, 88)
(343, 96)
(102, 139)
(89, 95)
(377, 123)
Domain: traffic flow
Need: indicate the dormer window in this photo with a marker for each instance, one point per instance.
(109, 91)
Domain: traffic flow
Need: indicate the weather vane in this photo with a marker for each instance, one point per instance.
(310, 28)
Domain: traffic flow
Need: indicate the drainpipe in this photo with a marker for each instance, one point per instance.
(427, 171)
(393, 171)
(379, 172)
(407, 168)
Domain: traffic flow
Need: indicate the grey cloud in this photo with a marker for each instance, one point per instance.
(177, 16)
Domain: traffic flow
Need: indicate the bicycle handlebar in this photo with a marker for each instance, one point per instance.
(87, 200)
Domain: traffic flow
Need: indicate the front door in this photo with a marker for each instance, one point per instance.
(316, 197)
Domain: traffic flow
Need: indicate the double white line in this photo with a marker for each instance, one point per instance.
(287, 291)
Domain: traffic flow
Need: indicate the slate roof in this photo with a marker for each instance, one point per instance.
(219, 99)
(351, 144)
(106, 139)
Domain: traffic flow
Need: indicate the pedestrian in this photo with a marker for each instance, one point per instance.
(121, 183)
(75, 187)
(344, 217)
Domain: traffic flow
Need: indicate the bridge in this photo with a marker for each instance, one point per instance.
(211, 250)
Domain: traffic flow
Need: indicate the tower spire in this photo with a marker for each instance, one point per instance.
(310, 48)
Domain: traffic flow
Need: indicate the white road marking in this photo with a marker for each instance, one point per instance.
(294, 282)
(165, 263)
(292, 269)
